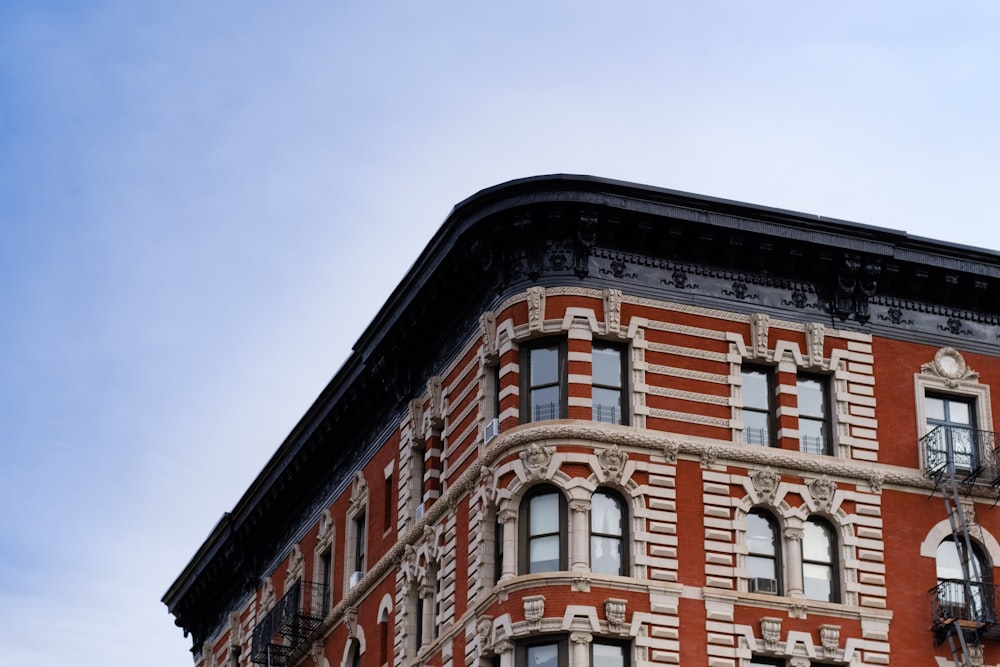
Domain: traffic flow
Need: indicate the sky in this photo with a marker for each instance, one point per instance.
(203, 205)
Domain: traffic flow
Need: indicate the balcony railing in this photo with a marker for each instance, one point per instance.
(607, 414)
(966, 452)
(290, 624)
(973, 605)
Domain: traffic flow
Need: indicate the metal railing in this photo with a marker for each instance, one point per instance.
(757, 436)
(607, 414)
(968, 453)
(971, 604)
(289, 624)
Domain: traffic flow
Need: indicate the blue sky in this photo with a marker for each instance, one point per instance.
(202, 205)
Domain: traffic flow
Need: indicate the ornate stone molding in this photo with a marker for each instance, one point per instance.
(670, 449)
(536, 309)
(765, 484)
(325, 527)
(770, 632)
(534, 611)
(949, 366)
(829, 636)
(583, 638)
(612, 463)
(759, 326)
(488, 334)
(359, 493)
(267, 595)
(821, 491)
(296, 566)
(613, 310)
(351, 622)
(614, 611)
(815, 333)
(435, 414)
(536, 459)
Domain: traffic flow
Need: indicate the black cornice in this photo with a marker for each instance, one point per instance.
(594, 232)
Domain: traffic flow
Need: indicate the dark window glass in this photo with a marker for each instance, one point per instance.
(544, 532)
(819, 560)
(765, 662)
(543, 387)
(360, 543)
(955, 438)
(757, 414)
(608, 373)
(326, 578)
(763, 553)
(814, 422)
(952, 592)
(546, 652)
(607, 533)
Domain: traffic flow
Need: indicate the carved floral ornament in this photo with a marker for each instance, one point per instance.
(614, 611)
(950, 367)
(536, 459)
(534, 611)
(821, 490)
(770, 632)
(765, 483)
(359, 491)
(612, 463)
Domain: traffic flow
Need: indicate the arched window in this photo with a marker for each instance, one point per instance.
(355, 656)
(763, 553)
(607, 533)
(951, 584)
(819, 561)
(543, 531)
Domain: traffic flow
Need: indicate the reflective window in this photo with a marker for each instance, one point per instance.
(608, 372)
(544, 531)
(607, 533)
(819, 560)
(757, 415)
(605, 654)
(814, 423)
(763, 553)
(543, 369)
(951, 429)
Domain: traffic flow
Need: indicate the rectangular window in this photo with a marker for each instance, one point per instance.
(758, 416)
(814, 414)
(360, 544)
(326, 578)
(543, 382)
(387, 501)
(608, 654)
(608, 373)
(550, 652)
(951, 431)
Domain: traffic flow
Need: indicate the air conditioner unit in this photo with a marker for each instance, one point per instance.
(492, 429)
(763, 585)
(419, 512)
(356, 578)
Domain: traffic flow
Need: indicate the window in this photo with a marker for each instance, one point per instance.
(955, 424)
(814, 420)
(355, 652)
(607, 533)
(763, 553)
(757, 414)
(360, 542)
(758, 661)
(387, 504)
(951, 590)
(608, 373)
(608, 654)
(326, 578)
(819, 561)
(543, 531)
(543, 382)
(547, 652)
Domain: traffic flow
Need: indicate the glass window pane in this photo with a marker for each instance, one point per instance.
(605, 514)
(543, 554)
(607, 366)
(817, 544)
(755, 389)
(812, 436)
(608, 655)
(959, 412)
(760, 535)
(934, 408)
(545, 403)
(544, 365)
(605, 555)
(755, 428)
(546, 655)
(818, 580)
(811, 397)
(758, 566)
(607, 405)
(544, 514)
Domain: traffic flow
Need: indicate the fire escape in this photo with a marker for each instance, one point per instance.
(963, 611)
(289, 626)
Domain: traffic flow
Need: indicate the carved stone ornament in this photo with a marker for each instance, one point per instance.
(359, 491)
(536, 309)
(798, 610)
(829, 637)
(760, 324)
(770, 632)
(267, 597)
(351, 622)
(765, 484)
(235, 629)
(325, 527)
(296, 565)
(613, 310)
(408, 567)
(534, 611)
(709, 456)
(976, 658)
(794, 534)
(317, 653)
(614, 611)
(488, 486)
(483, 630)
(821, 490)
(416, 409)
(434, 417)
(815, 333)
(950, 366)
(536, 459)
(582, 638)
(208, 655)
(799, 662)
(670, 450)
(488, 333)
(875, 481)
(612, 463)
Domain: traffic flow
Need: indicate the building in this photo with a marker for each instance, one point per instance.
(606, 424)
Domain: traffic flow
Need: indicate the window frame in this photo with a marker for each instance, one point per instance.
(559, 641)
(833, 565)
(622, 537)
(776, 559)
(360, 522)
(824, 418)
(624, 645)
(527, 388)
(526, 537)
(768, 411)
(621, 387)
(974, 455)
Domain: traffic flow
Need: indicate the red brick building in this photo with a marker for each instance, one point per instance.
(607, 424)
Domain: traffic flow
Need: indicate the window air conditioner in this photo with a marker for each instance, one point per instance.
(356, 578)
(419, 512)
(763, 585)
(492, 430)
